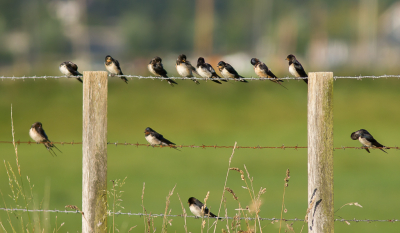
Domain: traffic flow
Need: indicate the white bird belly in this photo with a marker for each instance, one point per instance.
(35, 135)
(64, 70)
(364, 141)
(293, 71)
(183, 71)
(195, 210)
(153, 140)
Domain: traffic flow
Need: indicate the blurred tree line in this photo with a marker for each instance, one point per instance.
(42, 33)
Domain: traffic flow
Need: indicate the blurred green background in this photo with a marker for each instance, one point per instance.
(348, 38)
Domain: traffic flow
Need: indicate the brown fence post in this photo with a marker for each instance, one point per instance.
(94, 152)
(320, 152)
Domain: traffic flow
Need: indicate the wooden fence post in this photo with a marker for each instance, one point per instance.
(94, 150)
(320, 152)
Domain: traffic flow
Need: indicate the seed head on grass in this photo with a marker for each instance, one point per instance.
(231, 192)
(238, 170)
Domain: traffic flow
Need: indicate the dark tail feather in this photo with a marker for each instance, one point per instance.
(382, 150)
(241, 79)
(281, 84)
(306, 80)
(366, 148)
(79, 79)
(125, 80)
(197, 82)
(170, 81)
(216, 81)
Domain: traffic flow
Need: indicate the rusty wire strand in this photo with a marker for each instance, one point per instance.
(196, 78)
(190, 216)
(204, 146)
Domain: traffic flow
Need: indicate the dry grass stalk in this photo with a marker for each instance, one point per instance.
(226, 180)
(231, 192)
(310, 206)
(287, 177)
(165, 219)
(183, 213)
(238, 170)
(351, 203)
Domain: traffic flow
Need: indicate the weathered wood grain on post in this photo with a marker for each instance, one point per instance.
(320, 152)
(94, 148)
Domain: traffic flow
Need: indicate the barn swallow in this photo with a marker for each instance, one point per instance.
(156, 67)
(263, 71)
(196, 206)
(229, 72)
(155, 138)
(206, 71)
(295, 68)
(69, 68)
(366, 139)
(38, 135)
(184, 68)
(112, 66)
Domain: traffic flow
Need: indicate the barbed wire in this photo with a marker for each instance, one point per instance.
(191, 216)
(360, 77)
(202, 146)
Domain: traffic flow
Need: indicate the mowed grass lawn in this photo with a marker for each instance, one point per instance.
(258, 113)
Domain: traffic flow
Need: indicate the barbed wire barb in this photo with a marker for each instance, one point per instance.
(190, 216)
(202, 146)
(359, 77)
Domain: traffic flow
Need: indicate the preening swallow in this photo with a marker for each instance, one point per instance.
(112, 66)
(38, 135)
(156, 67)
(229, 72)
(205, 70)
(295, 68)
(155, 138)
(263, 71)
(196, 206)
(69, 68)
(184, 68)
(366, 139)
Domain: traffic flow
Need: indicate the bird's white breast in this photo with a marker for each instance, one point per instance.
(152, 140)
(64, 70)
(150, 67)
(364, 141)
(183, 70)
(293, 71)
(204, 72)
(195, 210)
(226, 74)
(35, 135)
(112, 68)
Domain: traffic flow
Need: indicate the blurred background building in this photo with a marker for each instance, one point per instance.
(347, 37)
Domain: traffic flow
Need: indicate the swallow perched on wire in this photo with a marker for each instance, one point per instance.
(229, 72)
(69, 68)
(295, 68)
(196, 207)
(112, 66)
(206, 71)
(38, 135)
(184, 68)
(155, 138)
(156, 67)
(263, 71)
(366, 139)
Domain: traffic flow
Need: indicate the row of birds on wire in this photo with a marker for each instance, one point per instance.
(202, 69)
(37, 133)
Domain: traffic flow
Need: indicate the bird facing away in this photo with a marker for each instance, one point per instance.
(295, 68)
(206, 71)
(229, 72)
(112, 66)
(366, 139)
(155, 138)
(184, 68)
(39, 136)
(196, 206)
(263, 71)
(156, 67)
(69, 68)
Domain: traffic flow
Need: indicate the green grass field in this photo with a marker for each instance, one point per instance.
(257, 113)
